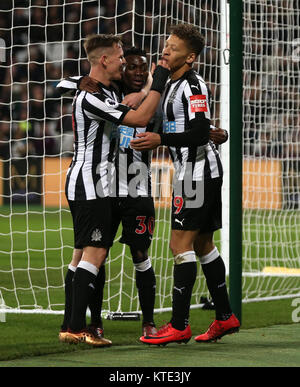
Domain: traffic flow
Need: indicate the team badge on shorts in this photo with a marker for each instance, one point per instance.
(96, 235)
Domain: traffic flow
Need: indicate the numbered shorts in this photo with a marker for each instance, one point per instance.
(207, 218)
(91, 222)
(137, 216)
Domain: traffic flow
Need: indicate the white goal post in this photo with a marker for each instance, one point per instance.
(41, 43)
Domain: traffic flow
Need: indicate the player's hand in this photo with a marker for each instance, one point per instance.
(218, 135)
(162, 62)
(89, 84)
(145, 141)
(153, 67)
(133, 100)
(160, 76)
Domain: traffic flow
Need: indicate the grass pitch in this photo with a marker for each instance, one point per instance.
(260, 347)
(35, 248)
(268, 338)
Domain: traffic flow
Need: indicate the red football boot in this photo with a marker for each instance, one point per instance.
(167, 334)
(218, 329)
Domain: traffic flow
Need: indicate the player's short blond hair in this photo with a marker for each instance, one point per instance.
(94, 45)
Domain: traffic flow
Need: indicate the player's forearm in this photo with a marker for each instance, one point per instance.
(145, 90)
(196, 136)
(144, 113)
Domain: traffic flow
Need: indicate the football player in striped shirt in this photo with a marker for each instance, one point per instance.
(137, 214)
(135, 210)
(196, 205)
(95, 117)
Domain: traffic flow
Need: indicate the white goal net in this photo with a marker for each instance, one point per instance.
(271, 129)
(41, 43)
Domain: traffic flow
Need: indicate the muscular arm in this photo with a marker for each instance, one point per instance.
(145, 111)
(141, 116)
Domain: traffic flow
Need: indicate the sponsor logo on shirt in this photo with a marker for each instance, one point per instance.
(169, 126)
(111, 103)
(198, 103)
(126, 135)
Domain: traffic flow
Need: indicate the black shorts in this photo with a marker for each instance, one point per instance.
(137, 216)
(91, 222)
(207, 218)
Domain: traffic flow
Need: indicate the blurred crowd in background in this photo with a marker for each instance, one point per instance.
(43, 42)
(271, 79)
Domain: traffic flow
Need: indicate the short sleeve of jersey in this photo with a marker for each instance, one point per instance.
(197, 97)
(68, 86)
(101, 107)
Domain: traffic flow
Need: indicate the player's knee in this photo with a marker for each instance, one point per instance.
(185, 257)
(204, 244)
(143, 266)
(140, 259)
(209, 257)
(94, 255)
(181, 241)
(138, 255)
(177, 248)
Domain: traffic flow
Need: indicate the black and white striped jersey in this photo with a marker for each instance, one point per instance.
(95, 123)
(129, 170)
(132, 169)
(68, 86)
(185, 103)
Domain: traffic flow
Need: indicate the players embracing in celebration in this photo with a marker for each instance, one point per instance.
(95, 117)
(196, 205)
(132, 203)
(130, 192)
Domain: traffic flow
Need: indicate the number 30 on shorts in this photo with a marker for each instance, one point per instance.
(142, 227)
(178, 203)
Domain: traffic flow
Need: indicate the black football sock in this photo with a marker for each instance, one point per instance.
(145, 283)
(184, 279)
(83, 286)
(216, 282)
(96, 298)
(68, 297)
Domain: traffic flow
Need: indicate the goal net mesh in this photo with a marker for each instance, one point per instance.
(271, 221)
(41, 42)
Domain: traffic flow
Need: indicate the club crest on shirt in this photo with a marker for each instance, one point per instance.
(111, 103)
(96, 235)
(198, 103)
